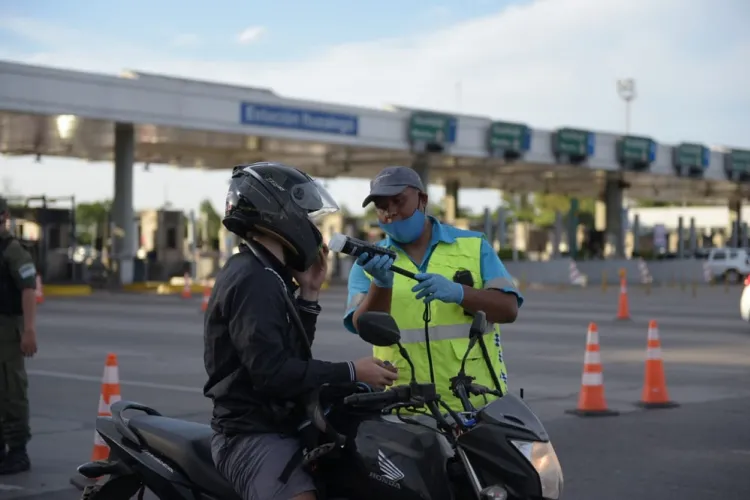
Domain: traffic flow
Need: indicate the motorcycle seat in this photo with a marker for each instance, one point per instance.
(187, 445)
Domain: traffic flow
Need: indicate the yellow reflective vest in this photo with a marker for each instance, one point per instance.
(448, 327)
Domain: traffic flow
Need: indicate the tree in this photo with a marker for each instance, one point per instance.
(91, 218)
(659, 204)
(540, 208)
(210, 221)
(436, 210)
(97, 212)
(548, 204)
(650, 204)
(519, 205)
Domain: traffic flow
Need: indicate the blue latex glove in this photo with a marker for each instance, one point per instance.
(435, 286)
(379, 267)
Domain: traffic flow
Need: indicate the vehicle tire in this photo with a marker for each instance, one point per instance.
(732, 276)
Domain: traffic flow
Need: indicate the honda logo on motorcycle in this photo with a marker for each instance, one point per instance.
(389, 473)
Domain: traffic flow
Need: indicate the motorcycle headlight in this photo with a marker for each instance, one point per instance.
(494, 493)
(542, 456)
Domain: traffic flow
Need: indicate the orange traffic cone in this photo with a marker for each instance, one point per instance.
(654, 393)
(110, 394)
(591, 401)
(187, 293)
(623, 307)
(206, 296)
(39, 290)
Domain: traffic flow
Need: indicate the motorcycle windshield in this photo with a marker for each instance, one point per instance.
(511, 411)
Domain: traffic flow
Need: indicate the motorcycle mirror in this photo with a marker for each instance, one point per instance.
(479, 325)
(378, 328)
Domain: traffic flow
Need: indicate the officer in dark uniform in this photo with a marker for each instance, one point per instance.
(17, 341)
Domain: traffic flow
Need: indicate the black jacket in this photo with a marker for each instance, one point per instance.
(258, 368)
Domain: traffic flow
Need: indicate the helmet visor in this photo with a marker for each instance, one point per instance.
(314, 198)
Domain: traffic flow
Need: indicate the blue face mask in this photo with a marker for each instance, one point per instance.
(405, 231)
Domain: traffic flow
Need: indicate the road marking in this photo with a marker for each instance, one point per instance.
(134, 383)
(10, 487)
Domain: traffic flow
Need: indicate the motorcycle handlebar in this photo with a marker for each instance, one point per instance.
(418, 394)
(391, 396)
(396, 394)
(480, 390)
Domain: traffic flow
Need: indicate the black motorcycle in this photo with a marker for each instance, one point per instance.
(402, 443)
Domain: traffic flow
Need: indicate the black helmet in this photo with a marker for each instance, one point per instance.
(282, 202)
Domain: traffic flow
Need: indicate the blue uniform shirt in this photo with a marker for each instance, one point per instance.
(491, 265)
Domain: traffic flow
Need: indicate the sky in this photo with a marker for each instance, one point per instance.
(547, 63)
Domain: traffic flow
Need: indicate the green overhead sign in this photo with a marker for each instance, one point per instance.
(690, 159)
(636, 153)
(432, 130)
(695, 156)
(508, 140)
(573, 145)
(737, 164)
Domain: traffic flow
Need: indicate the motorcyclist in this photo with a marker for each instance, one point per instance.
(257, 359)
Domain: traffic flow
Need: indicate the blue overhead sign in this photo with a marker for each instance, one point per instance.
(309, 120)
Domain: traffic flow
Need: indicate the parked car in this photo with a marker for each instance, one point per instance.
(730, 264)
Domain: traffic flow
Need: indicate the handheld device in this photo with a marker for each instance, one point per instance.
(352, 246)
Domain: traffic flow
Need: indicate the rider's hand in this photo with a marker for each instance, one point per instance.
(379, 267)
(311, 280)
(374, 372)
(435, 286)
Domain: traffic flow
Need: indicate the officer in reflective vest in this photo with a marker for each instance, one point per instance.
(436, 253)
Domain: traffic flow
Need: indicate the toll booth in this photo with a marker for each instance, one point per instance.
(162, 238)
(48, 234)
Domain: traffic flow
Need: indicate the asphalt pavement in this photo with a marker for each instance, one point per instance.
(698, 451)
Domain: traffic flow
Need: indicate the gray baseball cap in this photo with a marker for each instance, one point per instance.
(391, 181)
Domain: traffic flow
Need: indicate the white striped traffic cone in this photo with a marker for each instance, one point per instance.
(591, 400)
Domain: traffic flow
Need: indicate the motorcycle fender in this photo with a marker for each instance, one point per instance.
(151, 469)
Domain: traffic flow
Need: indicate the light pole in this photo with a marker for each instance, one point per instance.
(626, 90)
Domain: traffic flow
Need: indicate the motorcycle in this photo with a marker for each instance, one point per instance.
(402, 443)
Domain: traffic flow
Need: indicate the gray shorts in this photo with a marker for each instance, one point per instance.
(253, 463)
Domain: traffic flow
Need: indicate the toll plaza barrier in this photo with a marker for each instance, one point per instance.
(670, 272)
(608, 271)
(547, 272)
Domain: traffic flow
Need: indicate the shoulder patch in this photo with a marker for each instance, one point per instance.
(27, 271)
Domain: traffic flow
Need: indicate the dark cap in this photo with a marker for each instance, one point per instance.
(391, 181)
(3, 204)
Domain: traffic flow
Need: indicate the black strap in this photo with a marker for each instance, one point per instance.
(294, 461)
(304, 459)
(291, 306)
(427, 317)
